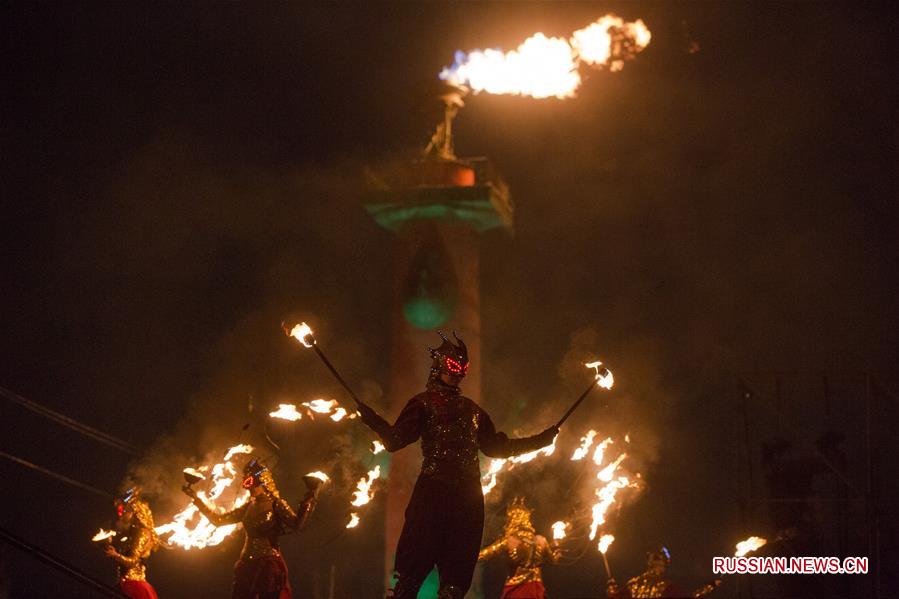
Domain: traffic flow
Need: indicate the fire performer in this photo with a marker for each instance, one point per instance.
(260, 573)
(527, 550)
(133, 543)
(445, 516)
(654, 582)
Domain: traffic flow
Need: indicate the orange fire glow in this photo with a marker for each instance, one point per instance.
(302, 333)
(604, 379)
(103, 534)
(604, 542)
(286, 411)
(546, 67)
(559, 530)
(189, 528)
(749, 545)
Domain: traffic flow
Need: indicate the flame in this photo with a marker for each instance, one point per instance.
(377, 447)
(103, 534)
(600, 451)
(610, 38)
(302, 333)
(750, 544)
(363, 492)
(189, 528)
(328, 407)
(235, 450)
(497, 465)
(607, 493)
(627, 438)
(559, 530)
(322, 406)
(604, 378)
(319, 475)
(354, 520)
(605, 475)
(545, 67)
(604, 542)
(586, 442)
(286, 411)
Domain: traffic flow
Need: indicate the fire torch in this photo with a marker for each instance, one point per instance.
(303, 333)
(603, 379)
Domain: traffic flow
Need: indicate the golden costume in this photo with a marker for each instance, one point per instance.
(133, 544)
(527, 550)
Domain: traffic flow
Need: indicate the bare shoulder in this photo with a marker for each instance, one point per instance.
(541, 541)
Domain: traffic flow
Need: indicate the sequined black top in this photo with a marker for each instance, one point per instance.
(264, 519)
(452, 429)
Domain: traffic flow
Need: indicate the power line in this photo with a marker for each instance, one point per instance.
(55, 475)
(71, 423)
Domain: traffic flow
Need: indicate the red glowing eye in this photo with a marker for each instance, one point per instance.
(120, 509)
(465, 368)
(453, 366)
(248, 482)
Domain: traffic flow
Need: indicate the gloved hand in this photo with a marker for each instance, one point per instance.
(547, 436)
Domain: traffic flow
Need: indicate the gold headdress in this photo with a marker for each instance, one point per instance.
(518, 518)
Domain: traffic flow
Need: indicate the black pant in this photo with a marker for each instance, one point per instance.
(443, 528)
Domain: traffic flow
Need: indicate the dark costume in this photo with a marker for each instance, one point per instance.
(527, 551)
(261, 573)
(133, 544)
(445, 516)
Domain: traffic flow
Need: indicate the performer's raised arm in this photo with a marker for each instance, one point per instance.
(291, 520)
(491, 551)
(216, 519)
(142, 543)
(498, 445)
(406, 429)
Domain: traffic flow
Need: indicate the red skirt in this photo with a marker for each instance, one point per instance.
(261, 577)
(525, 590)
(137, 589)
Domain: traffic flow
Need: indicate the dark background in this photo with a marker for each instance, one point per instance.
(179, 179)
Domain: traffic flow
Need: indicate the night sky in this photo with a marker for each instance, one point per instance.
(181, 178)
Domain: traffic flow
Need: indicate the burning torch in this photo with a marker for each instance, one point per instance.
(604, 542)
(603, 379)
(303, 333)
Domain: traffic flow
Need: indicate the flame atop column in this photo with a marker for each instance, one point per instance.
(749, 545)
(547, 67)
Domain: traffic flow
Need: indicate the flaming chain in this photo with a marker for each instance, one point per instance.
(327, 407)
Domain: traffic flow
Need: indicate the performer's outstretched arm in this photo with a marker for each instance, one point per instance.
(406, 429)
(139, 548)
(498, 445)
(493, 550)
(293, 520)
(216, 519)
